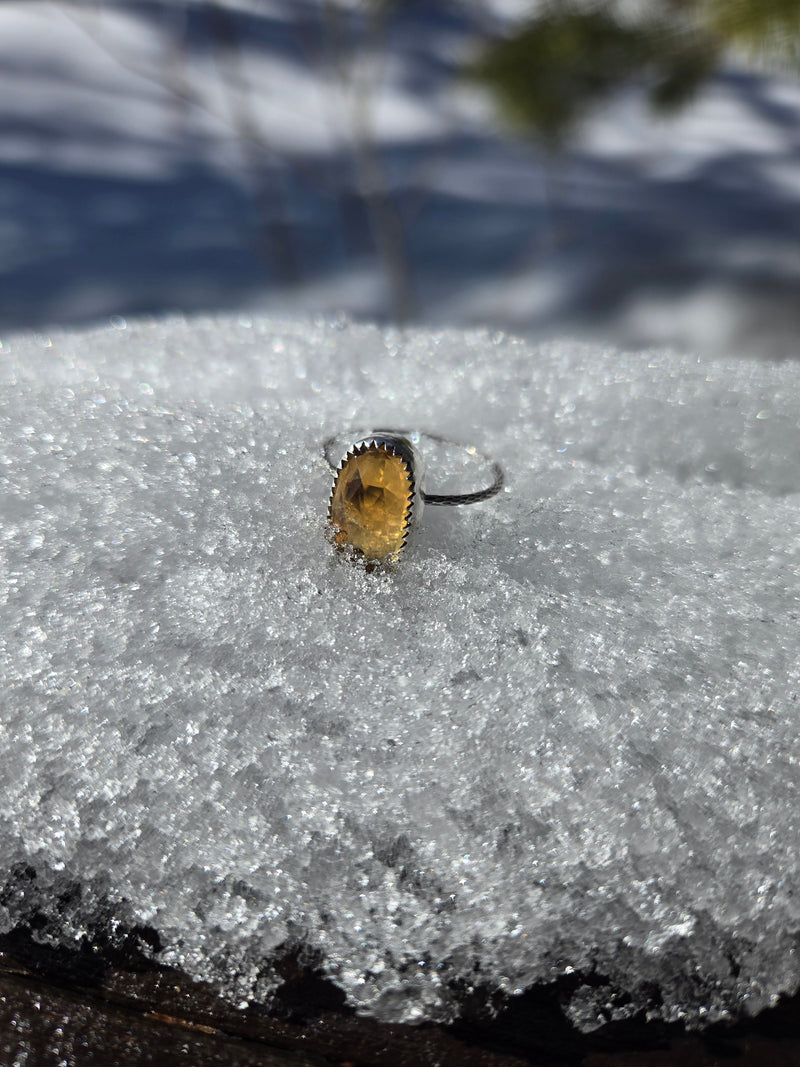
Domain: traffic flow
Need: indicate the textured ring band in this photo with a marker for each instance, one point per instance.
(379, 491)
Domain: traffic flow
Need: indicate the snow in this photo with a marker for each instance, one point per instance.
(145, 167)
(560, 737)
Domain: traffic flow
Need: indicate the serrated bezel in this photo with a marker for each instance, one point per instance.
(404, 450)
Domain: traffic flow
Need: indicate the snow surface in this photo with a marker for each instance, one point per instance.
(562, 735)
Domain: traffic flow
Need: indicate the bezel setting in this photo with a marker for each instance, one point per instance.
(401, 448)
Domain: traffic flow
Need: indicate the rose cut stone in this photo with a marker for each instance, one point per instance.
(371, 502)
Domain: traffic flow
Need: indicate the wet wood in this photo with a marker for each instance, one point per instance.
(60, 1008)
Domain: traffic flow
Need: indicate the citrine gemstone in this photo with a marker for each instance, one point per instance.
(371, 502)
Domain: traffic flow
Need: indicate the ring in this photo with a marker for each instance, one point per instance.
(378, 492)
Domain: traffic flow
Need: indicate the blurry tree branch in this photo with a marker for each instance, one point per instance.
(270, 202)
(553, 70)
(550, 71)
(768, 31)
(355, 69)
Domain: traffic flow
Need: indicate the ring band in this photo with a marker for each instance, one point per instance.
(378, 492)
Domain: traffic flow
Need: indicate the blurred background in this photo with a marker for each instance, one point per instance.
(625, 170)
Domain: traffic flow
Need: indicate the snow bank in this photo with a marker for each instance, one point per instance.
(563, 735)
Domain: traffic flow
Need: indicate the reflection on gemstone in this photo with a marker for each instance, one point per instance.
(371, 502)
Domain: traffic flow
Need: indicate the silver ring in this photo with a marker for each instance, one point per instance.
(378, 492)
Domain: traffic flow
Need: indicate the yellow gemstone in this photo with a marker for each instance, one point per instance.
(371, 503)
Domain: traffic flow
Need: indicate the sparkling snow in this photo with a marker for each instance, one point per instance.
(563, 734)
